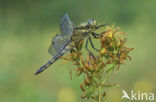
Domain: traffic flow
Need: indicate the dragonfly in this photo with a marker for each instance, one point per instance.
(70, 36)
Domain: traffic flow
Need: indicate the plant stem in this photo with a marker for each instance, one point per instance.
(100, 94)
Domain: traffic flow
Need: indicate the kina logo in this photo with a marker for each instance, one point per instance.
(137, 96)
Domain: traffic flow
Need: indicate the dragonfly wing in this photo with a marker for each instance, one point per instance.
(52, 50)
(66, 30)
(58, 43)
(66, 25)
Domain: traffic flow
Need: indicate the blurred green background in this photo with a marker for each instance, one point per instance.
(26, 30)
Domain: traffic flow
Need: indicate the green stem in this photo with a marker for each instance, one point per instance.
(99, 94)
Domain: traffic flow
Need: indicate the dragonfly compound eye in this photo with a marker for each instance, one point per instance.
(92, 22)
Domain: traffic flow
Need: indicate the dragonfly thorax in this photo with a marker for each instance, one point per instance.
(78, 36)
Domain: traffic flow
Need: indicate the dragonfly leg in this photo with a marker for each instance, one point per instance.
(95, 35)
(100, 26)
(90, 40)
(87, 47)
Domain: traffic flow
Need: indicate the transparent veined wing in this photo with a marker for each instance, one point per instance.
(59, 41)
(60, 44)
(66, 25)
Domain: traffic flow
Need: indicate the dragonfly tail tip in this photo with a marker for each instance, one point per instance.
(37, 72)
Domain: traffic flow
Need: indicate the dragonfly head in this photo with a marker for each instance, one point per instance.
(92, 22)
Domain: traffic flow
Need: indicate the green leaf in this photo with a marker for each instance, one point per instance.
(110, 68)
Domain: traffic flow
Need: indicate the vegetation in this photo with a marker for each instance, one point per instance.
(96, 69)
(28, 26)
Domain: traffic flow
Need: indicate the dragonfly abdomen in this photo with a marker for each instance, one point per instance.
(50, 62)
(63, 51)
